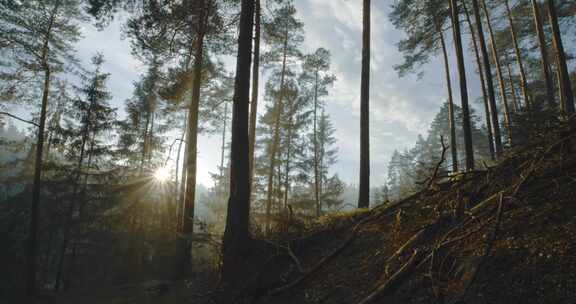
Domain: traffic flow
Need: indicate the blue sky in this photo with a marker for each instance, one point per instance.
(401, 108)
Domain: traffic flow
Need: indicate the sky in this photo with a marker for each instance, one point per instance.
(400, 108)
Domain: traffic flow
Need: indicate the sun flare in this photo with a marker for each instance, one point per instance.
(162, 175)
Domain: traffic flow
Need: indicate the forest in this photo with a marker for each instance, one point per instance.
(225, 173)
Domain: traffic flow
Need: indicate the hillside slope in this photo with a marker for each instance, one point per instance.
(505, 234)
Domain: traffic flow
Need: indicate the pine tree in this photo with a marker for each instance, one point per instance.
(39, 35)
(317, 79)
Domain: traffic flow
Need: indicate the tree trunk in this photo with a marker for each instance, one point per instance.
(237, 232)
(316, 158)
(488, 116)
(451, 118)
(32, 246)
(469, 149)
(255, 88)
(543, 54)
(192, 142)
(489, 81)
(515, 104)
(364, 187)
(182, 196)
(32, 242)
(499, 73)
(565, 84)
(221, 191)
(276, 134)
(289, 152)
(523, 81)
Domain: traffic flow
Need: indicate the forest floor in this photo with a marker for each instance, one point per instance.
(502, 234)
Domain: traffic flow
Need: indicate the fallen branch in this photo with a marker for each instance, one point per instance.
(323, 261)
(489, 245)
(396, 279)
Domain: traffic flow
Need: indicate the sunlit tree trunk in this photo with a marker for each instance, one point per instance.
(543, 53)
(469, 149)
(565, 84)
(364, 186)
(451, 118)
(255, 87)
(489, 80)
(499, 73)
(523, 81)
(488, 116)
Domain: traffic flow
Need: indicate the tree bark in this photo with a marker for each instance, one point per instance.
(364, 186)
(523, 81)
(469, 149)
(237, 232)
(316, 150)
(255, 88)
(32, 242)
(515, 104)
(489, 80)
(488, 116)
(543, 54)
(192, 140)
(565, 84)
(499, 73)
(451, 118)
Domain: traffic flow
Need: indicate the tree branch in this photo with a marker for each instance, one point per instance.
(18, 118)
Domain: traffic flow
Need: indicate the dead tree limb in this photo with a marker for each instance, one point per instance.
(325, 259)
(439, 164)
(18, 118)
(489, 245)
(396, 280)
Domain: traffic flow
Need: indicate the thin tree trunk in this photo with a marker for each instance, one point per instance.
(565, 84)
(499, 73)
(177, 182)
(469, 149)
(255, 88)
(192, 141)
(182, 195)
(223, 152)
(33, 225)
(237, 232)
(364, 186)
(32, 242)
(543, 54)
(523, 81)
(276, 136)
(515, 104)
(451, 118)
(488, 116)
(289, 152)
(315, 133)
(489, 80)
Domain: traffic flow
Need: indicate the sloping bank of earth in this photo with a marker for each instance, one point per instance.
(505, 234)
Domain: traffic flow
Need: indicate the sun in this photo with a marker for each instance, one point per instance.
(162, 175)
